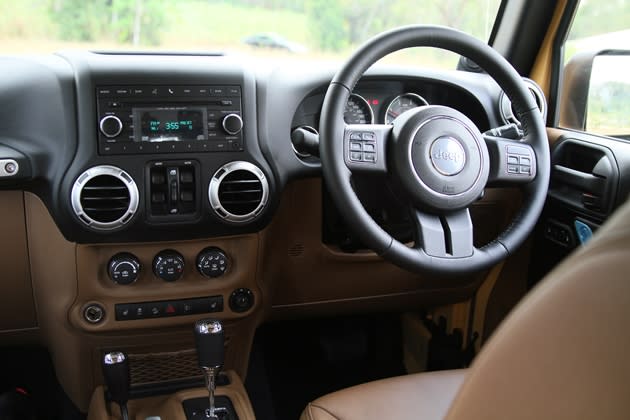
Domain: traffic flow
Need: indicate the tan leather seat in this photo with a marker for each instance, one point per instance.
(563, 353)
(422, 395)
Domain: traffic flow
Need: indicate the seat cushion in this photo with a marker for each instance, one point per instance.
(418, 396)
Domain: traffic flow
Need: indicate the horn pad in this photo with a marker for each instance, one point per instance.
(441, 159)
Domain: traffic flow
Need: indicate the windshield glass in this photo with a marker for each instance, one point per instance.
(276, 29)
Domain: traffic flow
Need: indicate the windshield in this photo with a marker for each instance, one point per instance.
(286, 29)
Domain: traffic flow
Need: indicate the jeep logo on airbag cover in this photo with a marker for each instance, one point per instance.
(447, 156)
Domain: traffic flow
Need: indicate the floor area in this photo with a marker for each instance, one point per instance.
(294, 362)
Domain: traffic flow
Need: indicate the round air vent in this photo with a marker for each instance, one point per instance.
(104, 197)
(508, 114)
(238, 192)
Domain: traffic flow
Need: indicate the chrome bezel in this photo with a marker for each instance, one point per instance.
(505, 104)
(102, 122)
(77, 188)
(415, 95)
(362, 99)
(215, 183)
(299, 154)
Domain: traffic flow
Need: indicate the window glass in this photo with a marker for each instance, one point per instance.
(596, 74)
(276, 29)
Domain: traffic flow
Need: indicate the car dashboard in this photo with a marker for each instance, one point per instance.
(144, 190)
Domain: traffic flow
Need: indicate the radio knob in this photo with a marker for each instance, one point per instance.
(110, 126)
(232, 124)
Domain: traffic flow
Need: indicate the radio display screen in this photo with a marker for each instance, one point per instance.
(170, 124)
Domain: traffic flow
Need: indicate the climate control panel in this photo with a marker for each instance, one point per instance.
(169, 265)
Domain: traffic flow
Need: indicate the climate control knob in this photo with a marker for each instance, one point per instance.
(212, 262)
(110, 126)
(168, 265)
(124, 268)
(232, 124)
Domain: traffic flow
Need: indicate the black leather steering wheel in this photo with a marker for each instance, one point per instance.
(439, 158)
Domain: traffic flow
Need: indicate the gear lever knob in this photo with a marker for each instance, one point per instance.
(117, 378)
(210, 338)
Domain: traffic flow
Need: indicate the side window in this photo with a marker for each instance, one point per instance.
(595, 91)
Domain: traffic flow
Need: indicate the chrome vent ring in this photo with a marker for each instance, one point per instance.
(238, 192)
(508, 115)
(104, 198)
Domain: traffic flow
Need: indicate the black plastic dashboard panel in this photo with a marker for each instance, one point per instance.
(45, 101)
(474, 94)
(37, 118)
(49, 114)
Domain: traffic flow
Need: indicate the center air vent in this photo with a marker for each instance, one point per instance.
(238, 192)
(104, 197)
(508, 114)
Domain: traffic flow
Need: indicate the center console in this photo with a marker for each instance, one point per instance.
(167, 150)
(153, 225)
(223, 399)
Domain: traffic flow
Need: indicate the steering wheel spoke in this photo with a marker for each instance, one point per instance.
(444, 236)
(511, 161)
(365, 146)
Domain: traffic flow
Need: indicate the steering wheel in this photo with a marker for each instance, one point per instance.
(439, 158)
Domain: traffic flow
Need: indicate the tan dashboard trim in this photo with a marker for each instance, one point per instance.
(169, 407)
(17, 308)
(314, 278)
(542, 68)
(66, 277)
(94, 284)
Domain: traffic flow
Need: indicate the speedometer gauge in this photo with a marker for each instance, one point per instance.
(358, 111)
(403, 103)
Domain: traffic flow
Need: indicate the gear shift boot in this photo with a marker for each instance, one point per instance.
(196, 409)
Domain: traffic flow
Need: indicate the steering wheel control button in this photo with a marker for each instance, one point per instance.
(241, 300)
(362, 147)
(168, 308)
(356, 156)
(124, 268)
(519, 160)
(168, 265)
(94, 313)
(212, 262)
(447, 156)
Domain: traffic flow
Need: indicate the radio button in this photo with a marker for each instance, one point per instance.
(233, 91)
(111, 126)
(217, 91)
(232, 124)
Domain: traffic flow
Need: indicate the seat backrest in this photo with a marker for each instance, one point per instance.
(564, 352)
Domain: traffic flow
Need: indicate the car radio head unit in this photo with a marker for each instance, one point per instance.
(167, 119)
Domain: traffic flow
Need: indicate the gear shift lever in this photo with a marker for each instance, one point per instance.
(117, 378)
(209, 338)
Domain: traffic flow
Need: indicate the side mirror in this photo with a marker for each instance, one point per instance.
(596, 93)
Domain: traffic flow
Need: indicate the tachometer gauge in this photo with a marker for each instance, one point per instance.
(358, 111)
(403, 103)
